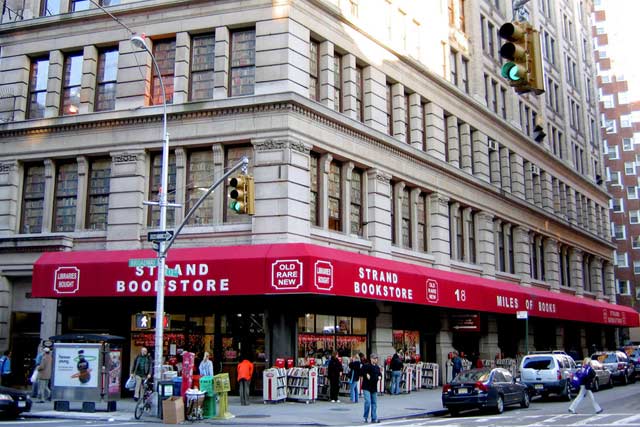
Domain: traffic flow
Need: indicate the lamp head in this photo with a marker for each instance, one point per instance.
(139, 41)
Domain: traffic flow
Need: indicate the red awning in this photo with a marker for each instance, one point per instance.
(305, 268)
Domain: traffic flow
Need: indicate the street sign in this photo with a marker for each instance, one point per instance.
(171, 272)
(159, 236)
(522, 315)
(143, 262)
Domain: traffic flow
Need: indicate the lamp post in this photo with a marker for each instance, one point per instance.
(139, 42)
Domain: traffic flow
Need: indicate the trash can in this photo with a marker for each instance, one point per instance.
(206, 385)
(165, 391)
(177, 385)
(195, 404)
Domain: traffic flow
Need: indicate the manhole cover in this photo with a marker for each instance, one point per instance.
(252, 416)
(339, 409)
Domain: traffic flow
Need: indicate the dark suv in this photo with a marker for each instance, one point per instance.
(622, 369)
(633, 353)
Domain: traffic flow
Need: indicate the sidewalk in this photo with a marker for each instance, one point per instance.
(319, 413)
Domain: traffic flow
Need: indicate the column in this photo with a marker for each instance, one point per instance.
(81, 196)
(221, 65)
(181, 185)
(551, 266)
(327, 76)
(49, 195)
(374, 98)
(505, 169)
(609, 282)
(572, 210)
(398, 114)
(9, 198)
(434, 128)
(349, 87)
(528, 182)
(89, 75)
(577, 282)
(439, 229)
(345, 208)
(129, 170)
(396, 205)
(494, 167)
(453, 141)
(517, 175)
(379, 212)
(592, 216)
(486, 256)
(134, 77)
(14, 73)
(466, 158)
(522, 253)
(54, 83)
(556, 196)
(182, 68)
(489, 341)
(6, 297)
(547, 191)
(454, 213)
(414, 195)
(323, 191)
(416, 137)
(282, 183)
(381, 335)
(480, 148)
(444, 345)
(277, 39)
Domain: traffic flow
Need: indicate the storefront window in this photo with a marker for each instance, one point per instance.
(406, 342)
(320, 334)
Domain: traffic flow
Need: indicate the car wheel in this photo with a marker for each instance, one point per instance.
(610, 384)
(499, 405)
(596, 385)
(544, 395)
(454, 412)
(526, 401)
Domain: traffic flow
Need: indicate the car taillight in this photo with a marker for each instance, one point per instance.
(621, 366)
(559, 375)
(481, 386)
(446, 388)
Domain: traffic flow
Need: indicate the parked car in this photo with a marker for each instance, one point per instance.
(484, 388)
(548, 373)
(13, 402)
(633, 353)
(622, 369)
(603, 376)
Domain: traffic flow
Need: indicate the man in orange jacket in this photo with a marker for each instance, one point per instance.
(245, 372)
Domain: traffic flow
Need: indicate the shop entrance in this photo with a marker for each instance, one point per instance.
(25, 339)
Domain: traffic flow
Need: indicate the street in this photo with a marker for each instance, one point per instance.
(619, 404)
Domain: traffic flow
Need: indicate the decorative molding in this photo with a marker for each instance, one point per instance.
(8, 167)
(125, 157)
(274, 144)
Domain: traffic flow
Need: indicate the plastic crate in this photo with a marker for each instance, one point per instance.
(209, 410)
(206, 385)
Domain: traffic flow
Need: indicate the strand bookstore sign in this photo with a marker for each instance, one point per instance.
(309, 269)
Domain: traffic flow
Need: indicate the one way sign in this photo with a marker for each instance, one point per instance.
(159, 236)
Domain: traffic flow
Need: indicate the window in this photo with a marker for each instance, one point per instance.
(198, 182)
(406, 219)
(50, 8)
(613, 153)
(617, 205)
(109, 2)
(359, 92)
(33, 199)
(98, 191)
(356, 202)
(625, 121)
(623, 287)
(234, 154)
(462, 226)
(632, 192)
(314, 71)
(464, 74)
(389, 110)
(202, 66)
(627, 144)
(78, 5)
(165, 54)
(635, 242)
(38, 88)
(106, 80)
(629, 168)
(337, 82)
(621, 260)
(318, 333)
(335, 196)
(66, 197)
(636, 267)
(314, 217)
(243, 62)
(155, 181)
(453, 65)
(423, 221)
(619, 232)
(634, 217)
(615, 179)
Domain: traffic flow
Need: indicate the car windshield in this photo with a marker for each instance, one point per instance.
(538, 362)
(472, 376)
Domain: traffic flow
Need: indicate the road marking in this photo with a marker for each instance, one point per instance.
(629, 420)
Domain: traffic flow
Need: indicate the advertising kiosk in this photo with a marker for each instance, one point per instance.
(87, 369)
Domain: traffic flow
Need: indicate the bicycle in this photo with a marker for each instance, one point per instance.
(146, 403)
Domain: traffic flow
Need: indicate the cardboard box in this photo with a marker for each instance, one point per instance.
(173, 410)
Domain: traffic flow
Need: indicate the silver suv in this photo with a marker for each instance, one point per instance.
(548, 373)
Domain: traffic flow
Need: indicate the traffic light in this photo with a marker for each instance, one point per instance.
(241, 194)
(523, 68)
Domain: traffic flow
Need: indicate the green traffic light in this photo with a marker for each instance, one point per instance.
(511, 71)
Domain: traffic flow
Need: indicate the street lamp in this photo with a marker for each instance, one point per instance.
(139, 42)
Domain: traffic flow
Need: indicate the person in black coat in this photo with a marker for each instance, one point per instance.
(370, 376)
(333, 372)
(355, 368)
(396, 366)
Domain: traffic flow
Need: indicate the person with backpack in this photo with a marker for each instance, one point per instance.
(396, 366)
(355, 368)
(585, 375)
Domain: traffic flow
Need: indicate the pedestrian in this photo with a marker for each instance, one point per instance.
(245, 372)
(457, 365)
(586, 374)
(355, 370)
(206, 366)
(370, 376)
(141, 370)
(34, 381)
(44, 375)
(5, 369)
(396, 366)
(333, 373)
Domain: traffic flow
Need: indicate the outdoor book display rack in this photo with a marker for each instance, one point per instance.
(302, 384)
(274, 385)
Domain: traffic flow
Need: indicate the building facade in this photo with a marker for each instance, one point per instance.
(401, 199)
(620, 125)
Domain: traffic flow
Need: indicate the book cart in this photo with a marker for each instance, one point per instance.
(430, 375)
(323, 383)
(302, 384)
(274, 385)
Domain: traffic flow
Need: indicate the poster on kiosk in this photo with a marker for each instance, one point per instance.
(77, 373)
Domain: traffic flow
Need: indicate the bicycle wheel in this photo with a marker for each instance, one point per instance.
(140, 406)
